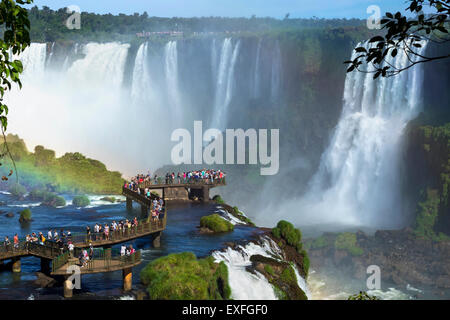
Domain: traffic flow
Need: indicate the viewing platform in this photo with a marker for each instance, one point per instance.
(172, 191)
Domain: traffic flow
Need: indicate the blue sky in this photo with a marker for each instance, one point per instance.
(232, 8)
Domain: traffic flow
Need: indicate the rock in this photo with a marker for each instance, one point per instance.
(10, 215)
(44, 281)
(203, 230)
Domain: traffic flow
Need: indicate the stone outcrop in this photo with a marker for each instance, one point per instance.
(402, 257)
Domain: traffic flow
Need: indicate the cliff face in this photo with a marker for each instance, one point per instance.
(428, 178)
(403, 257)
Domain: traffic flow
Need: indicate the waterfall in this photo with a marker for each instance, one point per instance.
(33, 60)
(358, 178)
(225, 82)
(50, 56)
(76, 109)
(275, 80)
(141, 82)
(103, 63)
(247, 285)
(171, 71)
(256, 79)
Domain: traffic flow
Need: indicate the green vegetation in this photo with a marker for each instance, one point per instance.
(269, 269)
(46, 25)
(320, 242)
(427, 216)
(216, 223)
(362, 295)
(281, 275)
(182, 276)
(109, 199)
(239, 215)
(17, 190)
(25, 215)
(71, 173)
(286, 231)
(53, 200)
(81, 201)
(429, 181)
(400, 29)
(347, 241)
(218, 199)
(306, 262)
(15, 31)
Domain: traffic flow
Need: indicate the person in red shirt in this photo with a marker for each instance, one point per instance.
(16, 241)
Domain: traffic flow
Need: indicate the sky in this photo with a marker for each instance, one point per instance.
(233, 8)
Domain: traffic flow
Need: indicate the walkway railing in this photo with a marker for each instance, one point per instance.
(107, 260)
(182, 182)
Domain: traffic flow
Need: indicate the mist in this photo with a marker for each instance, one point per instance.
(120, 102)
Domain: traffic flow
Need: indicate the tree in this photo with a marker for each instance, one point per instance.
(16, 37)
(407, 35)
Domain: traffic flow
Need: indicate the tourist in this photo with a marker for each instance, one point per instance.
(7, 243)
(49, 235)
(71, 248)
(16, 241)
(88, 233)
(122, 250)
(91, 251)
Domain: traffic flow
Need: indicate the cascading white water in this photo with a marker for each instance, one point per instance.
(256, 76)
(275, 80)
(103, 63)
(171, 71)
(141, 83)
(246, 285)
(357, 181)
(225, 82)
(79, 109)
(33, 59)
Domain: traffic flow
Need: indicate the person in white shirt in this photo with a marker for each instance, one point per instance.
(49, 235)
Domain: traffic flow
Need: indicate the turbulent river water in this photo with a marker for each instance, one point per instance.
(181, 235)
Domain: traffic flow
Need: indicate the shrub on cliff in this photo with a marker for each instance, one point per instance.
(25, 215)
(347, 241)
(287, 231)
(182, 276)
(216, 223)
(81, 201)
(218, 199)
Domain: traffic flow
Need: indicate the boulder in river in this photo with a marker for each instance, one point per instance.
(9, 215)
(44, 281)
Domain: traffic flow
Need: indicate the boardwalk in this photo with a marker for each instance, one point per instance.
(185, 190)
(106, 263)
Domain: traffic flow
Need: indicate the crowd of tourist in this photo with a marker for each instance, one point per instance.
(204, 176)
(64, 239)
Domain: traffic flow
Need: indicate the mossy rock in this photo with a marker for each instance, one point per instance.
(286, 231)
(53, 200)
(25, 215)
(218, 199)
(347, 241)
(281, 275)
(109, 199)
(182, 276)
(216, 223)
(81, 201)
